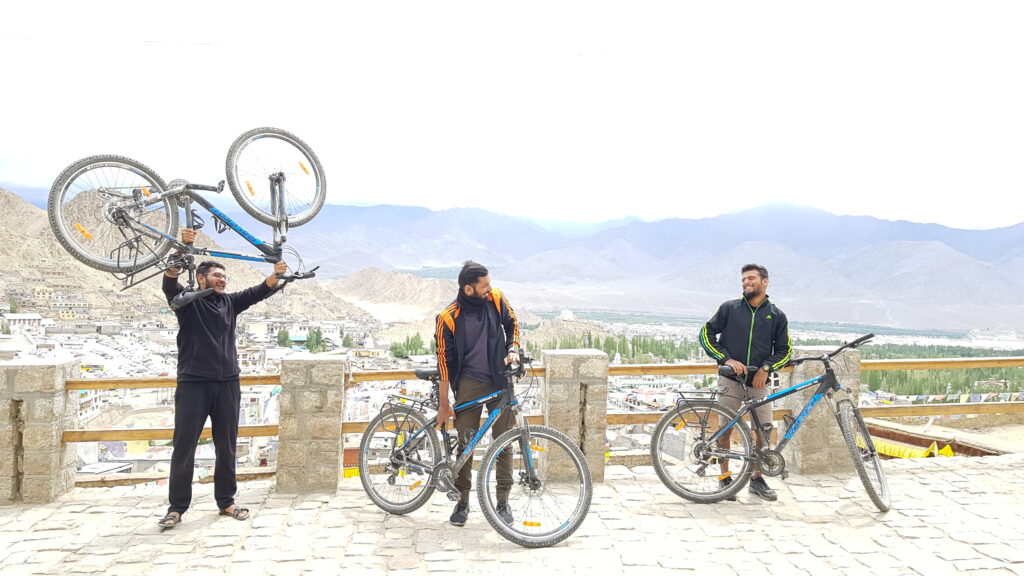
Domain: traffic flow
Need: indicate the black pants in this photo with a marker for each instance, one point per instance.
(467, 423)
(193, 402)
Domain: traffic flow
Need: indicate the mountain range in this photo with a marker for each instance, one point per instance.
(824, 267)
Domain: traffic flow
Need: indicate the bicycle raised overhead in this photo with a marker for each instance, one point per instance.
(401, 464)
(117, 215)
(686, 444)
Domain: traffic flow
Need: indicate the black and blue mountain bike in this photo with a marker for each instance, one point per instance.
(691, 440)
(403, 459)
(117, 215)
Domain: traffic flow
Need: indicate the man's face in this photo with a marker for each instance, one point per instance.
(216, 278)
(753, 284)
(482, 288)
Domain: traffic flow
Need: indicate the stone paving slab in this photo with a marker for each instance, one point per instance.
(950, 516)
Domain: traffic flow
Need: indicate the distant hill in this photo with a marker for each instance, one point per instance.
(825, 268)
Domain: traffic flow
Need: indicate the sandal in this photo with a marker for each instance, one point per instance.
(238, 513)
(171, 520)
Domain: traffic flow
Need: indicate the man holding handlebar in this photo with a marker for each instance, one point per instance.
(748, 331)
(476, 336)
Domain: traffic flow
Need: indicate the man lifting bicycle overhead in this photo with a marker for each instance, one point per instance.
(476, 336)
(748, 331)
(208, 384)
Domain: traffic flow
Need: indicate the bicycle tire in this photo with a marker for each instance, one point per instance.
(260, 152)
(566, 490)
(865, 457)
(403, 489)
(80, 205)
(673, 451)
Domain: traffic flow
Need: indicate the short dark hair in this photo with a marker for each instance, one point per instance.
(471, 273)
(760, 269)
(204, 267)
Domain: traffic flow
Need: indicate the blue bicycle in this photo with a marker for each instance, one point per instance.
(117, 215)
(691, 440)
(401, 464)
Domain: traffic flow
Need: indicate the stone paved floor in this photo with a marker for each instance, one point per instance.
(950, 516)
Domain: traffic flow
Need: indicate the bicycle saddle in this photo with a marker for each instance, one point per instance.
(424, 374)
(189, 296)
(727, 371)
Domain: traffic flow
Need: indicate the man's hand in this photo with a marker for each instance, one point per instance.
(760, 378)
(188, 235)
(279, 268)
(513, 356)
(737, 367)
(445, 412)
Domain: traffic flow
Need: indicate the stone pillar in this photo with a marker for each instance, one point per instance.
(818, 447)
(35, 465)
(309, 439)
(575, 401)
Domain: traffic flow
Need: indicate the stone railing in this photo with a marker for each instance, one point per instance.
(39, 418)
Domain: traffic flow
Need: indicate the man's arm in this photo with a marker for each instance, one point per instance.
(171, 287)
(708, 336)
(252, 296)
(447, 356)
(510, 322)
(782, 345)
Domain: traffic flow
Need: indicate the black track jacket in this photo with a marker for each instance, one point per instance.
(753, 336)
(206, 331)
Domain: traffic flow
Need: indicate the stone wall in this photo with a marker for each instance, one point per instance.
(35, 409)
(312, 407)
(818, 446)
(575, 401)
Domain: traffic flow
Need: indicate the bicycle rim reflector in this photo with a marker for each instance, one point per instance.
(304, 169)
(145, 192)
(532, 524)
(416, 485)
(536, 448)
(249, 186)
(681, 425)
(82, 231)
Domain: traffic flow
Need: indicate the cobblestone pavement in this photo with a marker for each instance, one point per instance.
(950, 516)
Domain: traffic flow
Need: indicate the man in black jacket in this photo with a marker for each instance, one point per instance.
(208, 384)
(748, 331)
(476, 336)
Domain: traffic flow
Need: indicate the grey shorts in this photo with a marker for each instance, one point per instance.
(730, 395)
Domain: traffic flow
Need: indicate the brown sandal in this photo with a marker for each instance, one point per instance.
(171, 520)
(238, 513)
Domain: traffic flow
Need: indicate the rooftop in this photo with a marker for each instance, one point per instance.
(949, 516)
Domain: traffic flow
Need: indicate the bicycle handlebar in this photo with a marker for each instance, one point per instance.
(855, 343)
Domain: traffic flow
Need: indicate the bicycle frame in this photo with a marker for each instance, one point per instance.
(508, 401)
(826, 382)
(271, 253)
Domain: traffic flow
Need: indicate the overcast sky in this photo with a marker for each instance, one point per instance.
(577, 111)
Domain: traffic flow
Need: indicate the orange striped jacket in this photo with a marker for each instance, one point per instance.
(449, 351)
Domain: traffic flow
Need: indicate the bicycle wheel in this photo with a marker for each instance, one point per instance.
(95, 207)
(865, 457)
(260, 152)
(548, 512)
(679, 449)
(395, 447)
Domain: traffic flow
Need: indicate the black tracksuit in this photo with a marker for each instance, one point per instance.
(208, 386)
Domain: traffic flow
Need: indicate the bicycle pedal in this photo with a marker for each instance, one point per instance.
(453, 495)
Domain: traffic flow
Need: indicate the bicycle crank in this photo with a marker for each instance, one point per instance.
(772, 463)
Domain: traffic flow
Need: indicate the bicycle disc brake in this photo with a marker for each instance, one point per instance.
(772, 463)
(444, 480)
